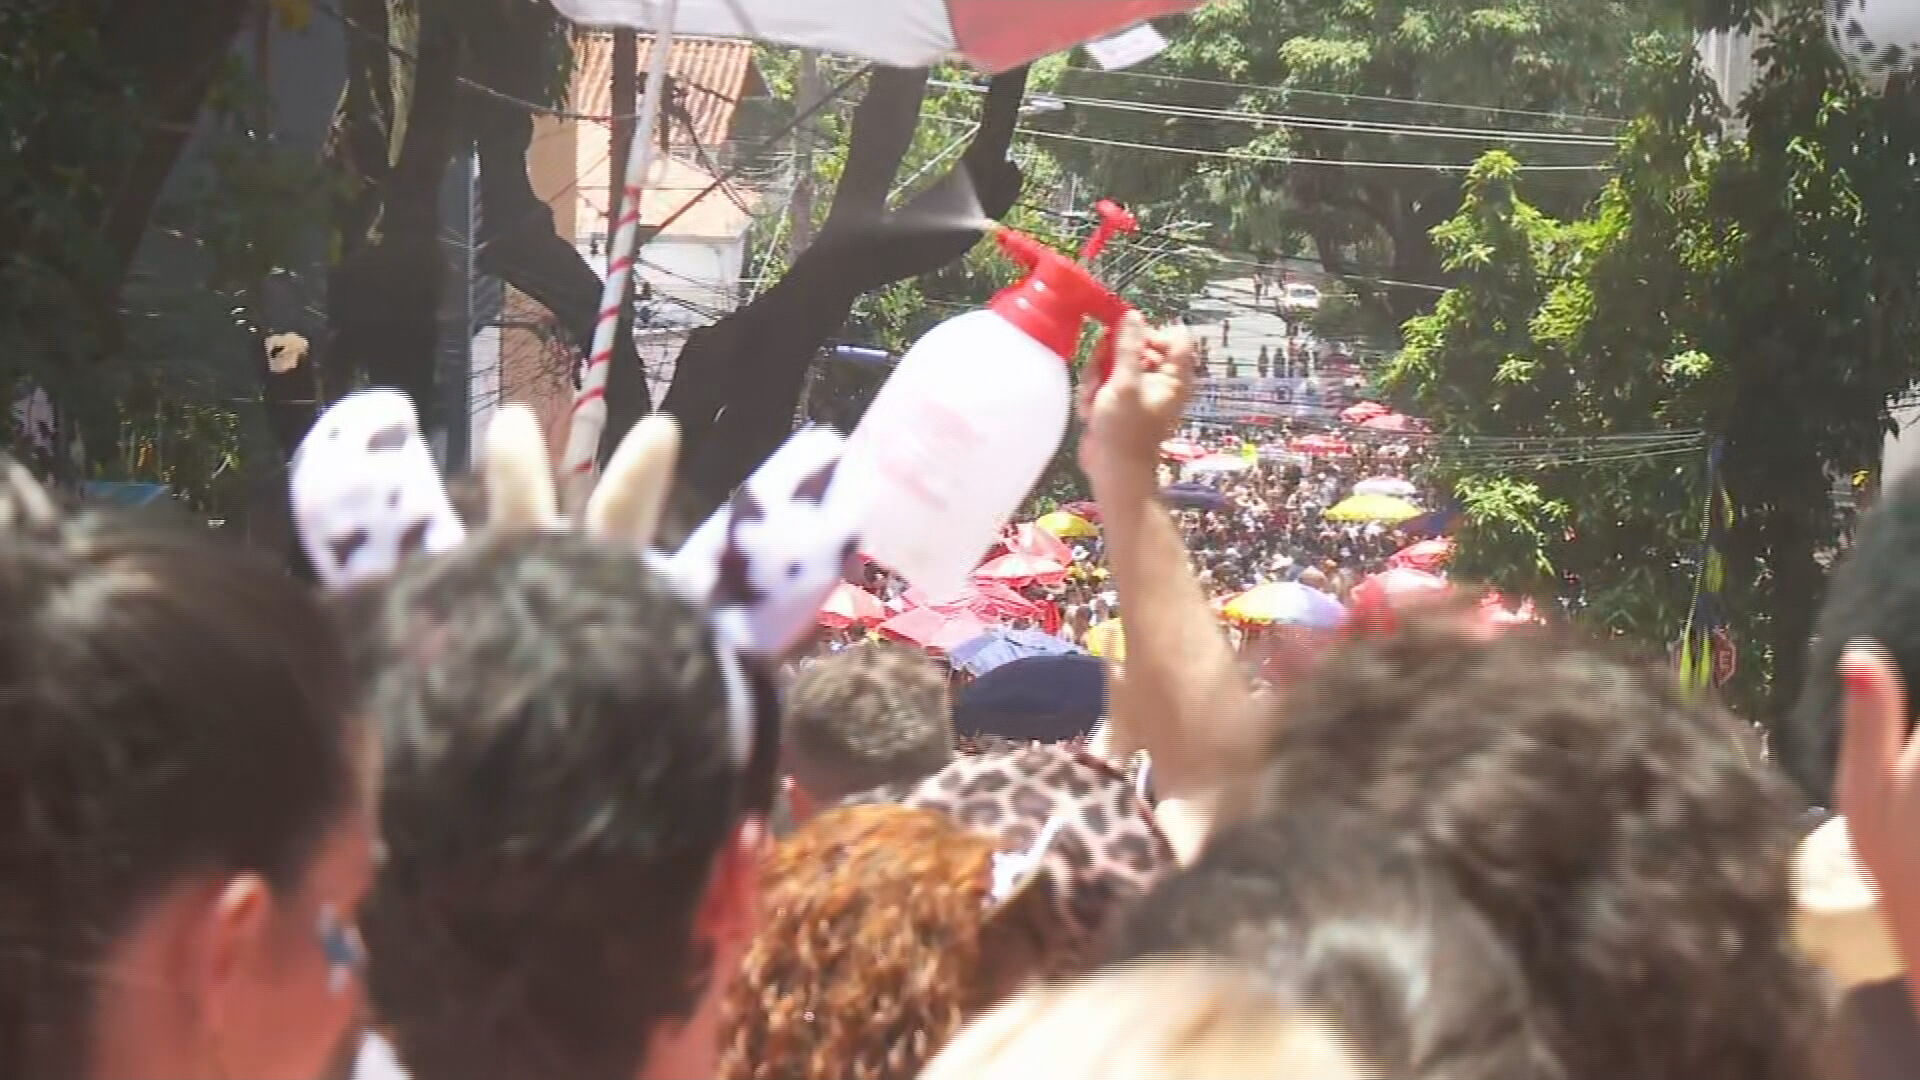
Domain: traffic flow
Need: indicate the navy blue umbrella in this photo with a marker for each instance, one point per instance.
(1194, 497)
(1432, 523)
(1003, 645)
(1039, 699)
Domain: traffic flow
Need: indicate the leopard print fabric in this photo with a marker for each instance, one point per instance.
(1110, 851)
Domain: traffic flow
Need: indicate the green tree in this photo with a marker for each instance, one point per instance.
(97, 99)
(1330, 80)
(1755, 289)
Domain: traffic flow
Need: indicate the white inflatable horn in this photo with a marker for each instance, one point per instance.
(1877, 39)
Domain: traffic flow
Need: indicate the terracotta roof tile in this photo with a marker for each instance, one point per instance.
(714, 73)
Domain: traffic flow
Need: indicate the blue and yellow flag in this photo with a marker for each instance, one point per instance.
(1708, 614)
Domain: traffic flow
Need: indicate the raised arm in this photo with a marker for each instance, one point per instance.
(1183, 699)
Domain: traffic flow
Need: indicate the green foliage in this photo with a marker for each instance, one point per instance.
(1325, 63)
(56, 268)
(1759, 289)
(152, 371)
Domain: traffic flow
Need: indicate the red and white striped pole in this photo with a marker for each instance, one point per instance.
(589, 420)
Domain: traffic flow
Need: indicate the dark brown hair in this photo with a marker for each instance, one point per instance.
(558, 785)
(168, 707)
(1345, 919)
(1629, 846)
(867, 717)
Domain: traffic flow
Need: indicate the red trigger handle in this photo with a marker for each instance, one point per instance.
(1113, 218)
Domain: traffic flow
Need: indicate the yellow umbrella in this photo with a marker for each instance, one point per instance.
(1382, 508)
(1067, 526)
(1108, 641)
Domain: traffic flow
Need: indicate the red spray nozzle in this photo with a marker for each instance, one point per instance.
(1023, 249)
(1056, 296)
(1113, 218)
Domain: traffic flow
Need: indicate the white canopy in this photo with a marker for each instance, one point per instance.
(993, 35)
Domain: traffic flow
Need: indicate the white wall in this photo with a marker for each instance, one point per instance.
(1728, 58)
(1902, 451)
(702, 275)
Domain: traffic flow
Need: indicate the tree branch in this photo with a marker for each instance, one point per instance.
(883, 128)
(748, 368)
(517, 239)
(384, 301)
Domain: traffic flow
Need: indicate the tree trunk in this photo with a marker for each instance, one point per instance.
(384, 300)
(748, 368)
(517, 240)
(165, 57)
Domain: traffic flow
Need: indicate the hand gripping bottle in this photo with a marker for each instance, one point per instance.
(974, 412)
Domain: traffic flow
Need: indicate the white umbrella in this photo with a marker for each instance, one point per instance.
(1216, 464)
(992, 35)
(1387, 485)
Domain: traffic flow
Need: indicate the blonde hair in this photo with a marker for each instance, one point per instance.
(1155, 1020)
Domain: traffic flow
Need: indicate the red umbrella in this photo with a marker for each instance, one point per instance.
(1182, 450)
(848, 604)
(1322, 446)
(1430, 556)
(933, 628)
(1391, 422)
(989, 601)
(1031, 540)
(1085, 508)
(1363, 411)
(1020, 570)
(1374, 600)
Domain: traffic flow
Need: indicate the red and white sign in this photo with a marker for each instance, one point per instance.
(1726, 658)
(992, 35)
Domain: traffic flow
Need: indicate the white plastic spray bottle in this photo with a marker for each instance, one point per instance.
(975, 410)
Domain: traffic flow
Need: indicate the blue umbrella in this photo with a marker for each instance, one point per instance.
(1002, 645)
(133, 495)
(1039, 699)
(1432, 523)
(1194, 497)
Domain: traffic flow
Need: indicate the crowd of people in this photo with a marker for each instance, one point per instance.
(523, 803)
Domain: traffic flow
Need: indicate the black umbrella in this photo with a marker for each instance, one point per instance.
(1039, 699)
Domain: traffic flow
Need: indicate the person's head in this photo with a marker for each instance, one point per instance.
(1105, 848)
(866, 718)
(881, 936)
(1873, 595)
(1152, 1021)
(1629, 847)
(1345, 919)
(185, 828)
(567, 865)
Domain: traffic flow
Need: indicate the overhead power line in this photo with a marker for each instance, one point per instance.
(1342, 95)
(1328, 123)
(1284, 159)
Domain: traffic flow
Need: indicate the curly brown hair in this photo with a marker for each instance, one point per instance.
(876, 944)
(867, 717)
(1628, 845)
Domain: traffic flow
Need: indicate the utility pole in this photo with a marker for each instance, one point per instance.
(806, 90)
(623, 95)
